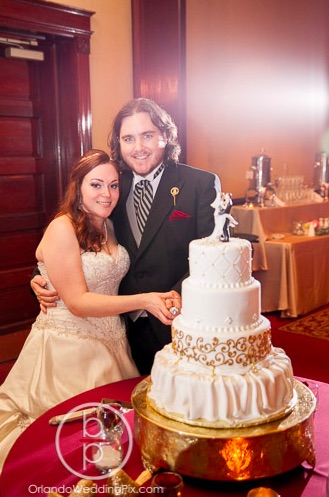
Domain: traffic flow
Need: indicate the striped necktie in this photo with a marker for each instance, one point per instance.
(143, 198)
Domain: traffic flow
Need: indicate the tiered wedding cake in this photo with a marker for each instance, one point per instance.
(221, 369)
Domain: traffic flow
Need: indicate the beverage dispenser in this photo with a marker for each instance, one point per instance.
(259, 176)
(321, 173)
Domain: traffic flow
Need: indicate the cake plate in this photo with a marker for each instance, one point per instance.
(249, 453)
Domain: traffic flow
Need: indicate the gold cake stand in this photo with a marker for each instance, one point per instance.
(248, 453)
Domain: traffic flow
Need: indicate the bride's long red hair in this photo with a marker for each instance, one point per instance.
(89, 238)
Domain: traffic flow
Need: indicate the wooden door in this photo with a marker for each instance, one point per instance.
(25, 202)
(42, 108)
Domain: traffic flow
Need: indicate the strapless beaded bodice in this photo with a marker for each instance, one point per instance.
(103, 275)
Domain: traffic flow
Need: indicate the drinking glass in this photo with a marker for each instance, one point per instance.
(107, 455)
(168, 484)
(108, 451)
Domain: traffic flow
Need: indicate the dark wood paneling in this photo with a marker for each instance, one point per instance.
(26, 192)
(23, 221)
(14, 107)
(19, 308)
(16, 277)
(45, 124)
(15, 136)
(14, 79)
(17, 165)
(159, 46)
(18, 247)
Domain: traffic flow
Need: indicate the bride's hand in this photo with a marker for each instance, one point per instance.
(159, 304)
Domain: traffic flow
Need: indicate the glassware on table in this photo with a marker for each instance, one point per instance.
(168, 484)
(298, 228)
(290, 189)
(108, 450)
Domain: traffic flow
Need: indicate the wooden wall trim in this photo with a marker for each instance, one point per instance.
(159, 58)
(45, 17)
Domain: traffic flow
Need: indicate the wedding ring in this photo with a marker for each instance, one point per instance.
(174, 310)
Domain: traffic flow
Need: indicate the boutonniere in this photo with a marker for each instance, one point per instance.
(174, 192)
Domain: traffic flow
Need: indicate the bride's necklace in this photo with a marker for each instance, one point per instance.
(104, 242)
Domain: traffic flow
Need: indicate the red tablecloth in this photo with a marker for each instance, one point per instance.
(33, 466)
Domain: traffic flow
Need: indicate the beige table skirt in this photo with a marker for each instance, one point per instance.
(297, 278)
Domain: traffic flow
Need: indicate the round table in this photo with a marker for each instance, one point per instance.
(34, 468)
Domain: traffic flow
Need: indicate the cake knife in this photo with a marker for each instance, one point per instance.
(74, 416)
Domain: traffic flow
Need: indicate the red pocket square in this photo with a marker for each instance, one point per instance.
(178, 215)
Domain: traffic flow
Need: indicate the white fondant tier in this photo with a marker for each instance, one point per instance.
(197, 396)
(220, 308)
(227, 353)
(220, 264)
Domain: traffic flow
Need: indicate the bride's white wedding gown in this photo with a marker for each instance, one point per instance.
(65, 355)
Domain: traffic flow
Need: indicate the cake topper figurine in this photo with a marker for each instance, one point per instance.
(223, 219)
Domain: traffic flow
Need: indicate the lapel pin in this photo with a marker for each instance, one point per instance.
(174, 191)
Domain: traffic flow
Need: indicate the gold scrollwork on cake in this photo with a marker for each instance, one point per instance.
(245, 351)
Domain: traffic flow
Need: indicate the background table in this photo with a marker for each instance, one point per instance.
(33, 462)
(293, 270)
(297, 278)
(265, 221)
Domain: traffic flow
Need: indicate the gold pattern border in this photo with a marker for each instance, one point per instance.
(245, 351)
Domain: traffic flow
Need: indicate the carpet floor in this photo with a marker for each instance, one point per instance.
(306, 342)
(315, 325)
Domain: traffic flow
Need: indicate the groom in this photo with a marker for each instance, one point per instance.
(144, 141)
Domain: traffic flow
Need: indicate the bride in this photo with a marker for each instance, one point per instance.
(80, 343)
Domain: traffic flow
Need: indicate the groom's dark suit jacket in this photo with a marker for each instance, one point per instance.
(160, 263)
